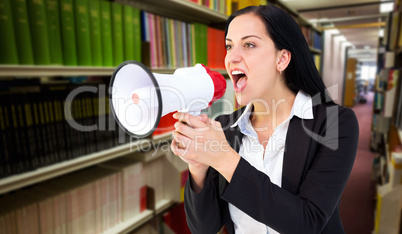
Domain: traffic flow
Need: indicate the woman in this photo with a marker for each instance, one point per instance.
(279, 164)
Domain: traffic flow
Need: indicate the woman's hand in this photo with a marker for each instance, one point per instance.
(200, 141)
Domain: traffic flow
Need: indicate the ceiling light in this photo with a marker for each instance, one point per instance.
(386, 7)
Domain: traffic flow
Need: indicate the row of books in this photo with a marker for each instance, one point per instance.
(43, 128)
(313, 38)
(228, 6)
(393, 32)
(69, 32)
(93, 200)
(176, 43)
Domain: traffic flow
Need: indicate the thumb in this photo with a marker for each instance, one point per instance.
(204, 118)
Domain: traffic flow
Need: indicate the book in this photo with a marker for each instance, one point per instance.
(117, 36)
(128, 32)
(8, 44)
(137, 33)
(39, 31)
(54, 32)
(95, 32)
(68, 36)
(22, 32)
(106, 30)
(82, 33)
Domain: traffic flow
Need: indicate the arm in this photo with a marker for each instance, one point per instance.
(202, 209)
(319, 194)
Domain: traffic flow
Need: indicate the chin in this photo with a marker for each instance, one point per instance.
(242, 99)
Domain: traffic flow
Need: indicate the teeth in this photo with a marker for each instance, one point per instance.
(237, 72)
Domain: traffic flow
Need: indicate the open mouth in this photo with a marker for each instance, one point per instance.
(239, 80)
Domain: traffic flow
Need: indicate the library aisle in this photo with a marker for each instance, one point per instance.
(357, 203)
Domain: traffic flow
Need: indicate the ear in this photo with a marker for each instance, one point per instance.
(283, 60)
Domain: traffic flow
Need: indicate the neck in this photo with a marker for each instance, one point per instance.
(272, 110)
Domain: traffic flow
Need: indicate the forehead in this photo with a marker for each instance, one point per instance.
(247, 24)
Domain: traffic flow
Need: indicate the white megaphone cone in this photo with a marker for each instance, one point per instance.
(139, 98)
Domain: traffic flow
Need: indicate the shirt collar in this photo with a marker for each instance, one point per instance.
(302, 108)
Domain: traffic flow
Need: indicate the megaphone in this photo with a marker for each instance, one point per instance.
(139, 98)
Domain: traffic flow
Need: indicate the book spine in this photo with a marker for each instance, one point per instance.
(8, 44)
(17, 159)
(54, 32)
(137, 34)
(22, 32)
(38, 26)
(68, 32)
(95, 29)
(60, 132)
(82, 31)
(5, 153)
(128, 32)
(106, 31)
(117, 29)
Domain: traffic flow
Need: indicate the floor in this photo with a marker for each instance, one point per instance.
(357, 204)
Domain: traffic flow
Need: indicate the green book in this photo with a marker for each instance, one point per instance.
(137, 34)
(82, 30)
(106, 31)
(95, 30)
(38, 26)
(22, 32)
(54, 32)
(201, 49)
(117, 33)
(68, 32)
(7, 40)
(128, 32)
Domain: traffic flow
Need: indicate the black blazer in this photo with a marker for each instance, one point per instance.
(318, 158)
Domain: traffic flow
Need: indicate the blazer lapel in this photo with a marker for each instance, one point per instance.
(296, 153)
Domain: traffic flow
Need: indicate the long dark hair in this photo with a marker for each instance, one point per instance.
(301, 73)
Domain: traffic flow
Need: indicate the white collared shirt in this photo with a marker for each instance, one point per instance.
(269, 162)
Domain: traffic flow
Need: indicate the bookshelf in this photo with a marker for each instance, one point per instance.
(312, 34)
(43, 71)
(41, 174)
(386, 125)
(183, 10)
(180, 9)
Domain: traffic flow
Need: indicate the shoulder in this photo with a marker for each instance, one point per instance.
(340, 117)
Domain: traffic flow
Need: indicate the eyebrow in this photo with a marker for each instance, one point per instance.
(245, 37)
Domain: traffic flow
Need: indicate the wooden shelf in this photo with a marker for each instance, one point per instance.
(315, 51)
(163, 205)
(180, 9)
(41, 174)
(302, 21)
(131, 224)
(44, 71)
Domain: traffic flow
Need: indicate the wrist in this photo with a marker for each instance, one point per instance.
(227, 164)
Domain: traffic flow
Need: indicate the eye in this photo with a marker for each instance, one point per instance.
(249, 45)
(228, 47)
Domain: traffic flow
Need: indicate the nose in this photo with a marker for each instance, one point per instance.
(233, 56)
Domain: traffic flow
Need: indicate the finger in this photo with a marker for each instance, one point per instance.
(204, 118)
(191, 120)
(185, 130)
(216, 125)
(176, 150)
(183, 141)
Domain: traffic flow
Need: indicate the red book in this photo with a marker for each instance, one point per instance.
(211, 47)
